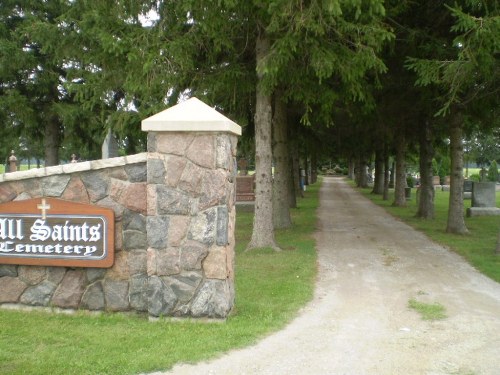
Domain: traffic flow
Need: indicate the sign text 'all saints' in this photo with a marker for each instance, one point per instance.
(54, 232)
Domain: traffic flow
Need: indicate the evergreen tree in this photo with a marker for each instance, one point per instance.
(466, 69)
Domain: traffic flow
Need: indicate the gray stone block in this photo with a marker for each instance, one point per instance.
(54, 186)
(203, 226)
(136, 172)
(93, 298)
(224, 156)
(172, 202)
(156, 171)
(132, 220)
(161, 298)
(38, 295)
(138, 293)
(184, 285)
(133, 239)
(96, 185)
(222, 226)
(8, 270)
(157, 229)
(94, 274)
(55, 274)
(191, 256)
(483, 211)
(116, 295)
(213, 300)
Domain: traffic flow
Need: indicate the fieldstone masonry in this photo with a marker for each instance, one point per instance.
(174, 222)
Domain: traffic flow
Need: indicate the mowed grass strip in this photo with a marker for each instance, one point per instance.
(270, 289)
(477, 247)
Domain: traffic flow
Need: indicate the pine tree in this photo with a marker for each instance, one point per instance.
(467, 71)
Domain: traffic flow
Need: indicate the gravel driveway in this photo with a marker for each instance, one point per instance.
(370, 266)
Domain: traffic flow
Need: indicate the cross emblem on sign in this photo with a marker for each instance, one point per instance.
(44, 207)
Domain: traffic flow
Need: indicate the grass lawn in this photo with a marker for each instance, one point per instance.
(270, 289)
(477, 247)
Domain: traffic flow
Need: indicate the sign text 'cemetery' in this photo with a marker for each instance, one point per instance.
(56, 232)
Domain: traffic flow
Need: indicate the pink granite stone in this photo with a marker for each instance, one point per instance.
(32, 274)
(70, 290)
(177, 229)
(151, 200)
(134, 197)
(173, 143)
(174, 168)
(202, 151)
(214, 265)
(76, 191)
(120, 269)
(190, 181)
(11, 289)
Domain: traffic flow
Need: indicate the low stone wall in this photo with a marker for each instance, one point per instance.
(174, 230)
(119, 184)
(174, 222)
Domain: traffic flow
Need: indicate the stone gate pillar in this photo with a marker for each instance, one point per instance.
(191, 170)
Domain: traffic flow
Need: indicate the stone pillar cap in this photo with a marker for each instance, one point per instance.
(191, 115)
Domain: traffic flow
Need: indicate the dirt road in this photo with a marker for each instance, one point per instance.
(370, 266)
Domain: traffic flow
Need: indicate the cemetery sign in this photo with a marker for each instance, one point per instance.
(54, 232)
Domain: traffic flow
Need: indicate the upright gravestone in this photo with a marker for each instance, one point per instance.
(467, 189)
(109, 147)
(483, 199)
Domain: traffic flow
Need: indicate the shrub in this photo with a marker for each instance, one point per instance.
(475, 177)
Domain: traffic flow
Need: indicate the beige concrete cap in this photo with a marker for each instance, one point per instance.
(191, 115)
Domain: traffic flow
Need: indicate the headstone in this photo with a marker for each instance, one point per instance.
(243, 167)
(109, 147)
(483, 194)
(483, 200)
(467, 189)
(436, 180)
(245, 188)
(408, 193)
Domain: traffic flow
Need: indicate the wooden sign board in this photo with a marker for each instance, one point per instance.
(54, 232)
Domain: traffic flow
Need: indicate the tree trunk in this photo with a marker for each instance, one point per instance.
(314, 167)
(378, 182)
(387, 173)
(361, 174)
(263, 229)
(281, 184)
(296, 169)
(294, 174)
(351, 169)
(456, 221)
(52, 140)
(306, 169)
(426, 197)
(400, 173)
